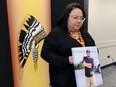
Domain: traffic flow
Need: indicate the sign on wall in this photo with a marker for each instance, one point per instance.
(29, 23)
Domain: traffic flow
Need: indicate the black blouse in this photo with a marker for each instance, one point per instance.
(56, 50)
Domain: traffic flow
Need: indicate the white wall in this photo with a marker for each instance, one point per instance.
(102, 27)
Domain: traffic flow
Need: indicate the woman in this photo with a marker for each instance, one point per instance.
(57, 45)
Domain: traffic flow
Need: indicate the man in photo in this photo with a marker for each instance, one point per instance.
(88, 63)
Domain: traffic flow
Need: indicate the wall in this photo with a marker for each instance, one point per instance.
(102, 26)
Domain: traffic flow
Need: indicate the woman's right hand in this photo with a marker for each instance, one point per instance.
(70, 60)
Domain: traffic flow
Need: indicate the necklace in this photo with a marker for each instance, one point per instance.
(79, 38)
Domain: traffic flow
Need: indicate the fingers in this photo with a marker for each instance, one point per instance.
(70, 60)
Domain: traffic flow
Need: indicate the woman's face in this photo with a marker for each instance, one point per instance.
(75, 20)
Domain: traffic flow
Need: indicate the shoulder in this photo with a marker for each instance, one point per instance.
(91, 59)
(55, 31)
(54, 34)
(86, 33)
(84, 57)
(89, 39)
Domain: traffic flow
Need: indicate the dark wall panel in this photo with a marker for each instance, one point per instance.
(6, 78)
(57, 7)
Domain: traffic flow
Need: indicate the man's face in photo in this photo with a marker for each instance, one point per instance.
(88, 54)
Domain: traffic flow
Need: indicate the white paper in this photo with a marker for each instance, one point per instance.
(78, 54)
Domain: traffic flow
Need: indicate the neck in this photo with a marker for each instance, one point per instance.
(88, 56)
(74, 32)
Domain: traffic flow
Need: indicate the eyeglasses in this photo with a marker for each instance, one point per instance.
(82, 19)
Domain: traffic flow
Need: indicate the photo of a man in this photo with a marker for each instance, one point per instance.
(88, 63)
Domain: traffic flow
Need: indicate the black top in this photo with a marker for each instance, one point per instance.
(89, 71)
(56, 50)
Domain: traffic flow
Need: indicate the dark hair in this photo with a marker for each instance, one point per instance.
(62, 22)
(88, 51)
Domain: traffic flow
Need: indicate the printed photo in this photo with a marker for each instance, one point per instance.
(87, 66)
